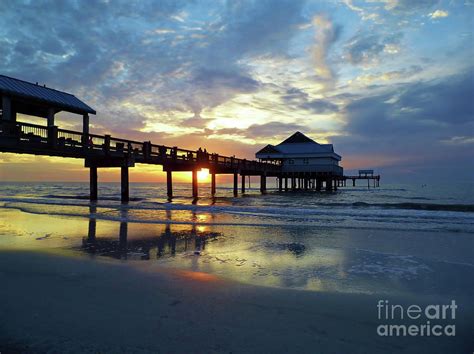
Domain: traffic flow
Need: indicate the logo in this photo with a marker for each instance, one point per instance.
(414, 320)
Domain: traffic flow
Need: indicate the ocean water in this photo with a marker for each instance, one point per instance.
(391, 207)
(395, 238)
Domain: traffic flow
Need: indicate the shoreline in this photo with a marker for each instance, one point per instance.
(71, 304)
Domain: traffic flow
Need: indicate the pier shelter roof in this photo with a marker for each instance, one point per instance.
(33, 99)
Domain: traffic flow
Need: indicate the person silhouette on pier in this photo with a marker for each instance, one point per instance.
(199, 154)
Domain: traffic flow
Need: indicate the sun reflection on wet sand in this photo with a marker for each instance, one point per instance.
(205, 252)
(198, 276)
(288, 257)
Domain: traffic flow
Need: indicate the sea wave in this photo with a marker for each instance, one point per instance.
(469, 208)
(359, 215)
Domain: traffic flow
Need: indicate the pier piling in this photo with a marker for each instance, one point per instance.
(235, 184)
(263, 183)
(169, 184)
(93, 183)
(213, 184)
(195, 183)
(124, 184)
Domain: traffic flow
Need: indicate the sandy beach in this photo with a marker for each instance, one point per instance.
(58, 303)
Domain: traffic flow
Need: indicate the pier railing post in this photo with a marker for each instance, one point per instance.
(93, 183)
(169, 184)
(124, 184)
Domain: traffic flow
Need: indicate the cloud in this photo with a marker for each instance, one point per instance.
(390, 76)
(438, 14)
(326, 35)
(320, 106)
(148, 54)
(459, 140)
(422, 124)
(366, 48)
(408, 6)
(264, 132)
(300, 99)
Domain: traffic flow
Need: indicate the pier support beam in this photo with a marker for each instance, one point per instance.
(263, 183)
(286, 183)
(169, 184)
(7, 112)
(124, 184)
(236, 182)
(280, 183)
(213, 184)
(85, 129)
(328, 185)
(318, 184)
(195, 183)
(243, 184)
(93, 183)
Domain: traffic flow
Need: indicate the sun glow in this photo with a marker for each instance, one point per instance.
(203, 175)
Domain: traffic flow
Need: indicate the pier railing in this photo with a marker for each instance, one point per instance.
(87, 144)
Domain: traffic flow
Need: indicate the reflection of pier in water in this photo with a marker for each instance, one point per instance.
(168, 242)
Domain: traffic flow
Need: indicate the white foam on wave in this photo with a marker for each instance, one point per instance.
(242, 215)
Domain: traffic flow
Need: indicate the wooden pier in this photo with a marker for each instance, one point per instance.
(103, 151)
(363, 175)
(100, 151)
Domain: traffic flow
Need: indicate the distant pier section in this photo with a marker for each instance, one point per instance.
(306, 164)
(101, 151)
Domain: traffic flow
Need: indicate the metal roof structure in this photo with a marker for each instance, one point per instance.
(16, 88)
(297, 138)
(297, 144)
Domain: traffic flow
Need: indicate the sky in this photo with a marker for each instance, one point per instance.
(389, 82)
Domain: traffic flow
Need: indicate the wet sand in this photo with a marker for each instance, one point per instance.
(57, 302)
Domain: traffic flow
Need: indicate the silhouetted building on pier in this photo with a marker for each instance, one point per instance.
(307, 163)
